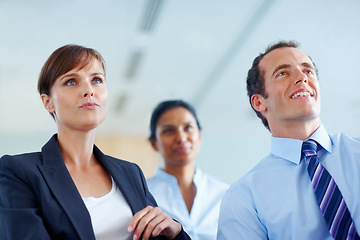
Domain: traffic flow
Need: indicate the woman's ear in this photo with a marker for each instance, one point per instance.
(154, 145)
(200, 136)
(258, 103)
(47, 103)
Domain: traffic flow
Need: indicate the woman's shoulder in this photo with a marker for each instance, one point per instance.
(212, 181)
(23, 166)
(24, 158)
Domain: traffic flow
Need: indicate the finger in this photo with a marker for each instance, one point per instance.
(159, 224)
(137, 217)
(154, 224)
(143, 228)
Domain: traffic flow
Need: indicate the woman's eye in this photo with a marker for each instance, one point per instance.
(97, 81)
(70, 82)
(281, 73)
(189, 127)
(167, 131)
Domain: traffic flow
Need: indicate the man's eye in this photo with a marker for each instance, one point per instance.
(281, 73)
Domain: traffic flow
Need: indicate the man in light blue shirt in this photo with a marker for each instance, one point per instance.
(276, 199)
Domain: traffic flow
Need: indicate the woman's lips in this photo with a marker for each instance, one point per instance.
(89, 105)
(181, 150)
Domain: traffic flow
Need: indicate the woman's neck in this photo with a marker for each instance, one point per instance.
(185, 178)
(90, 177)
(184, 174)
(76, 147)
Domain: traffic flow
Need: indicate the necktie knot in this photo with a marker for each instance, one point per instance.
(309, 148)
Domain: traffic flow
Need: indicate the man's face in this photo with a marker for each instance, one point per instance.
(291, 87)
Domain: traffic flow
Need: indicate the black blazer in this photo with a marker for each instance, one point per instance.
(39, 200)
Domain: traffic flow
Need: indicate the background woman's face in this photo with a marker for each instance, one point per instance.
(178, 137)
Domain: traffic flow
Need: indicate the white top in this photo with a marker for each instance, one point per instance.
(110, 215)
(202, 222)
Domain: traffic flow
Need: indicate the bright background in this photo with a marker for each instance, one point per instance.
(197, 50)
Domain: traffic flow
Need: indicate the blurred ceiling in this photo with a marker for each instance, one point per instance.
(199, 51)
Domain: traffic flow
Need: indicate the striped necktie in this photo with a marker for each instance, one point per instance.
(332, 204)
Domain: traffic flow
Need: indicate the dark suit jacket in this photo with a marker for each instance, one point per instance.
(39, 200)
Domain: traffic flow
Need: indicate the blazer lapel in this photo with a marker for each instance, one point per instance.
(62, 186)
(125, 179)
(131, 183)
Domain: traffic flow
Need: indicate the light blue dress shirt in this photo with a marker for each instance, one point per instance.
(276, 200)
(201, 223)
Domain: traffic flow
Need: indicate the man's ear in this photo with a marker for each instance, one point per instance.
(47, 103)
(154, 145)
(258, 103)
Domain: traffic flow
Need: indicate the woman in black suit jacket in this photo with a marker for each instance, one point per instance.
(49, 194)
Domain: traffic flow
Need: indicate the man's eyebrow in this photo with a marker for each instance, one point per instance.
(305, 64)
(280, 67)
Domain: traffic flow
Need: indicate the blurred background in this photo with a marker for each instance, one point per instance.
(196, 50)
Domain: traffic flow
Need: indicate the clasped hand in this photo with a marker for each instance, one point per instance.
(151, 222)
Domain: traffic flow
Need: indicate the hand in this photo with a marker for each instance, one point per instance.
(151, 222)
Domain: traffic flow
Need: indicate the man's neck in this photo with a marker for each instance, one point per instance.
(301, 131)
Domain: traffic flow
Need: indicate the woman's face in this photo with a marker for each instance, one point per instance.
(78, 98)
(178, 137)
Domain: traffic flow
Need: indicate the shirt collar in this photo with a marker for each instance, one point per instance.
(290, 149)
(197, 176)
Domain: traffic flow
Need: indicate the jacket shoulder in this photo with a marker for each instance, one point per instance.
(22, 159)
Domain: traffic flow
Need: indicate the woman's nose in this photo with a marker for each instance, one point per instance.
(88, 90)
(87, 94)
(181, 136)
